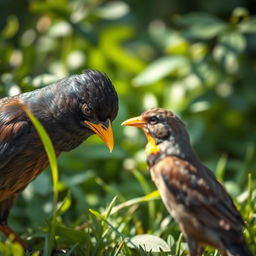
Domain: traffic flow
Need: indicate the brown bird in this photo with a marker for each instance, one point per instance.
(70, 110)
(204, 211)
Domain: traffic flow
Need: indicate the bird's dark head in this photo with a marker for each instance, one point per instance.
(92, 98)
(165, 132)
(76, 107)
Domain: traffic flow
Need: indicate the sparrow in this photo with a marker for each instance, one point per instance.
(200, 205)
(71, 110)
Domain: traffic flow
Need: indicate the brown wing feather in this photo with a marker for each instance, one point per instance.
(201, 194)
(14, 126)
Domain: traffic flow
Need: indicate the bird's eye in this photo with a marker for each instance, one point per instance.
(153, 120)
(86, 110)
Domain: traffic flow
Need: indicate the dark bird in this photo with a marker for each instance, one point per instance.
(201, 206)
(70, 110)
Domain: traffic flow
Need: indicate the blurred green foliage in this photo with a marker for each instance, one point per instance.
(197, 59)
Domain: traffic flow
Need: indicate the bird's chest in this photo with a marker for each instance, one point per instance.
(176, 210)
(165, 194)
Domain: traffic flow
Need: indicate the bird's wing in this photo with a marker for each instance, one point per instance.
(14, 126)
(200, 193)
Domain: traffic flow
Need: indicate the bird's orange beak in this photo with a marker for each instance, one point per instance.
(135, 121)
(105, 132)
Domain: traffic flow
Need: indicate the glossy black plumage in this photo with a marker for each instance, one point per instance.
(65, 109)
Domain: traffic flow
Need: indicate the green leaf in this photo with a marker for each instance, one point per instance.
(11, 27)
(178, 245)
(228, 49)
(205, 32)
(41, 80)
(65, 205)
(232, 188)
(97, 214)
(248, 26)
(159, 69)
(77, 178)
(250, 190)
(202, 25)
(145, 186)
(71, 235)
(57, 9)
(110, 207)
(178, 47)
(99, 151)
(233, 42)
(113, 10)
(239, 14)
(149, 243)
(221, 166)
(149, 197)
(198, 18)
(60, 29)
(112, 38)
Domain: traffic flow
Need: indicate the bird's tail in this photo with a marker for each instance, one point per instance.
(238, 249)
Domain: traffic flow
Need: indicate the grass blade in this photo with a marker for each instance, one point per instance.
(49, 149)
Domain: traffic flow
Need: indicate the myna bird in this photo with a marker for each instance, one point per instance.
(71, 110)
(201, 206)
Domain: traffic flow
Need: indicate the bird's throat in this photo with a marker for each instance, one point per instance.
(151, 147)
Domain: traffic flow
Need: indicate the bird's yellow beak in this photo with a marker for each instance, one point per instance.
(135, 121)
(105, 132)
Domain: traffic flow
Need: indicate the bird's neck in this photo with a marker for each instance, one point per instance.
(170, 148)
(48, 105)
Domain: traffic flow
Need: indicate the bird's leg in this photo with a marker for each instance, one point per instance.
(200, 250)
(194, 248)
(4, 228)
(9, 232)
(224, 253)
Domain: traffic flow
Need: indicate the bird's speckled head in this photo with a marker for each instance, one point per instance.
(165, 132)
(160, 123)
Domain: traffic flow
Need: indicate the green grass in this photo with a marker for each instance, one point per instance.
(113, 230)
(49, 149)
